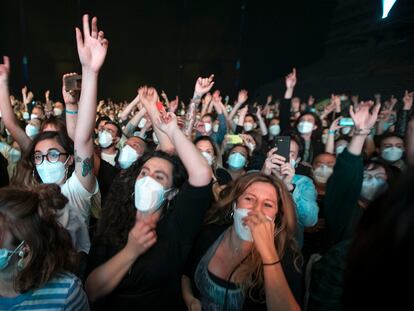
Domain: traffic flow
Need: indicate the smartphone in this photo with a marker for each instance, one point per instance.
(234, 139)
(73, 83)
(346, 122)
(282, 143)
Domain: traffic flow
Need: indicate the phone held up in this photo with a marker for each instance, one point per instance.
(346, 122)
(282, 143)
(73, 83)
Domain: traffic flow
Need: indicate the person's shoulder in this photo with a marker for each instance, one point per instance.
(301, 179)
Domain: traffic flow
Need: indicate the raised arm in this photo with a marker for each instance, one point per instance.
(241, 99)
(330, 143)
(71, 99)
(8, 117)
(199, 172)
(133, 123)
(128, 109)
(92, 50)
(262, 124)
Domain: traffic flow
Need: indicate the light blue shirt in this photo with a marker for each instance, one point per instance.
(307, 209)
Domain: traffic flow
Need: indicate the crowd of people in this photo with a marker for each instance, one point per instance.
(157, 204)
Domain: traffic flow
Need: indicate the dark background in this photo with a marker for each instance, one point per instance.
(336, 45)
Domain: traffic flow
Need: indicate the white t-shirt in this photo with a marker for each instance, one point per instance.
(110, 158)
(75, 215)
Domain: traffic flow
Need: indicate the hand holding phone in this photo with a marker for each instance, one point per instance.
(72, 83)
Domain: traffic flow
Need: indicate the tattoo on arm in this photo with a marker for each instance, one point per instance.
(87, 164)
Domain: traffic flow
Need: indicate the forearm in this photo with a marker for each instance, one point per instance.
(71, 119)
(288, 93)
(9, 118)
(330, 144)
(133, 123)
(106, 277)
(263, 127)
(234, 111)
(125, 113)
(278, 293)
(356, 144)
(199, 172)
(369, 146)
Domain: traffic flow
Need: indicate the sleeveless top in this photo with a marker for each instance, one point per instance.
(212, 292)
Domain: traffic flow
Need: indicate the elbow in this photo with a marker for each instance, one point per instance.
(90, 290)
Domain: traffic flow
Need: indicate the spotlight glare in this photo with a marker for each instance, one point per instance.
(386, 7)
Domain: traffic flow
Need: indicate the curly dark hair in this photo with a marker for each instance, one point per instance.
(118, 212)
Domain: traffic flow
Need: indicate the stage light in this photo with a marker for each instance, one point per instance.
(386, 7)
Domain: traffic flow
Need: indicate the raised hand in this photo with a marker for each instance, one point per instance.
(47, 94)
(92, 47)
(363, 118)
(242, 97)
(167, 123)
(269, 99)
(291, 79)
(335, 125)
(203, 85)
(408, 100)
(173, 105)
(5, 70)
(209, 97)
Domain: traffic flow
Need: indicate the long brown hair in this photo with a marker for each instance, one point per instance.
(29, 214)
(250, 275)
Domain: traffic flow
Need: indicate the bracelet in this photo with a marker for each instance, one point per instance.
(331, 132)
(71, 111)
(361, 132)
(271, 263)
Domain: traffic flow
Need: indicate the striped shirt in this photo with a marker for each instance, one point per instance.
(63, 292)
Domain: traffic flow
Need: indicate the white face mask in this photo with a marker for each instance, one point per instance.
(127, 157)
(293, 163)
(251, 146)
(305, 127)
(248, 126)
(392, 154)
(34, 116)
(26, 115)
(57, 112)
(208, 157)
(372, 187)
(242, 230)
(215, 128)
(105, 139)
(235, 120)
(207, 127)
(270, 115)
(274, 130)
(52, 173)
(346, 130)
(142, 123)
(31, 130)
(322, 173)
(149, 194)
(339, 149)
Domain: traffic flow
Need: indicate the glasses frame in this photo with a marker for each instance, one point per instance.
(48, 154)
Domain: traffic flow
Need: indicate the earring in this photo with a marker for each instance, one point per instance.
(20, 263)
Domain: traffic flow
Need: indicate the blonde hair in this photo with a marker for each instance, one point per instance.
(250, 274)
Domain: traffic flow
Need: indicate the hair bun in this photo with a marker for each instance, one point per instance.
(51, 199)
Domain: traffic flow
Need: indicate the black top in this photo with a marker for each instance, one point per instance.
(4, 175)
(154, 280)
(106, 176)
(223, 177)
(209, 234)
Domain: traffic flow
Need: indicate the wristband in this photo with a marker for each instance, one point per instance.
(331, 132)
(71, 111)
(271, 263)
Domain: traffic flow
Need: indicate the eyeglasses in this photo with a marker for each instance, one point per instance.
(52, 156)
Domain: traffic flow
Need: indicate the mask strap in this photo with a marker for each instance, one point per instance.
(17, 248)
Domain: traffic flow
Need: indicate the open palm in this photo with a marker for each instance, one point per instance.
(362, 116)
(93, 46)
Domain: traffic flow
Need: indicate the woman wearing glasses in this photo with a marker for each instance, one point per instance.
(52, 157)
